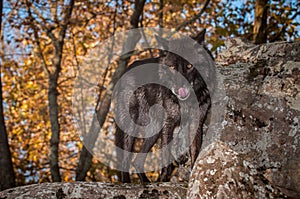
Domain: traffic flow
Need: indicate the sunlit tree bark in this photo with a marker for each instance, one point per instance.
(260, 22)
(7, 176)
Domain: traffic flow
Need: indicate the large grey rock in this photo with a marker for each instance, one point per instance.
(221, 173)
(261, 103)
(95, 190)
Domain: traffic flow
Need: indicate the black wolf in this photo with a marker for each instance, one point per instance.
(174, 100)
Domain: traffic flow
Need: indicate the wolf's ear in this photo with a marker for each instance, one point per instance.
(163, 42)
(200, 37)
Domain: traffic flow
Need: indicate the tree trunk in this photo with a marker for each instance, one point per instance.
(55, 127)
(58, 43)
(7, 176)
(260, 21)
(85, 159)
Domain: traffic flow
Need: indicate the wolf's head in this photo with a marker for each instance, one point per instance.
(188, 69)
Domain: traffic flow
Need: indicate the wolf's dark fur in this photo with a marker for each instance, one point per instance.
(148, 95)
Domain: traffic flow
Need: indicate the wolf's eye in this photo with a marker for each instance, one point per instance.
(172, 67)
(189, 66)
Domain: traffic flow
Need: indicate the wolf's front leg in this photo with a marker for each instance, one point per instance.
(196, 137)
(167, 158)
(142, 155)
(126, 160)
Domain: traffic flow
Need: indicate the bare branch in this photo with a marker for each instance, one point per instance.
(144, 36)
(37, 39)
(161, 16)
(40, 16)
(197, 16)
(66, 20)
(283, 29)
(101, 87)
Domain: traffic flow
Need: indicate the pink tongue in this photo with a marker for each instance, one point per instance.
(182, 92)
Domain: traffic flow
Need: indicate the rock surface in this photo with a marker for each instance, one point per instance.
(95, 190)
(262, 109)
(221, 173)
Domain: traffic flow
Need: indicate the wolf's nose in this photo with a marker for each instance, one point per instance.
(183, 92)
